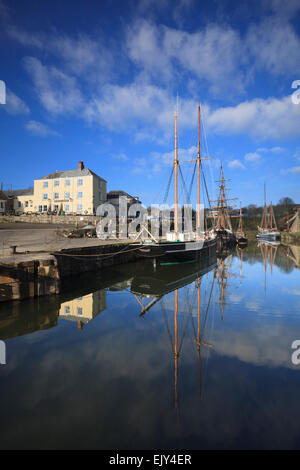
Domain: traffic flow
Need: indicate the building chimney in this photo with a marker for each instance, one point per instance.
(80, 166)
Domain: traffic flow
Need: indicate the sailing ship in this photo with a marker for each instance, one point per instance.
(240, 235)
(223, 227)
(268, 229)
(181, 246)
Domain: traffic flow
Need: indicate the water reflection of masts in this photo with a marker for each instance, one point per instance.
(199, 342)
(223, 274)
(267, 252)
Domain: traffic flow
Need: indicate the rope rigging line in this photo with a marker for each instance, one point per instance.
(184, 186)
(192, 180)
(168, 186)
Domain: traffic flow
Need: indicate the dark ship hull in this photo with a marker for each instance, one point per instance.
(156, 282)
(177, 252)
(242, 241)
(225, 239)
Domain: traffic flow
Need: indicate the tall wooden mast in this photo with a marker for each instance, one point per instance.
(176, 353)
(241, 219)
(271, 216)
(198, 172)
(176, 185)
(265, 207)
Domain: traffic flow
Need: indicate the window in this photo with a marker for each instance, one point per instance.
(67, 182)
(80, 182)
(26, 203)
(56, 183)
(67, 208)
(79, 310)
(67, 308)
(55, 207)
(45, 208)
(45, 184)
(100, 197)
(56, 195)
(40, 208)
(19, 204)
(79, 207)
(79, 194)
(67, 195)
(45, 196)
(99, 183)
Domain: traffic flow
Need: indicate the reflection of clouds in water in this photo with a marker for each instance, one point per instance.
(254, 305)
(257, 345)
(236, 298)
(110, 396)
(285, 290)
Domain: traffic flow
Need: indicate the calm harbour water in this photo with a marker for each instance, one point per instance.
(86, 370)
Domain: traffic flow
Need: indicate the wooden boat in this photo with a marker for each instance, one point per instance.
(268, 229)
(181, 246)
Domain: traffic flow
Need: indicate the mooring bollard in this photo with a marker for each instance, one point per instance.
(13, 249)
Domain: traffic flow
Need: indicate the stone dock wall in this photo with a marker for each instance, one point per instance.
(51, 219)
(22, 277)
(25, 278)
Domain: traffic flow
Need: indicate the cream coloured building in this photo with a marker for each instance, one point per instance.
(20, 200)
(84, 309)
(77, 191)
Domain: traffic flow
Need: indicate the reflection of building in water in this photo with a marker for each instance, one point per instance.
(84, 309)
(293, 253)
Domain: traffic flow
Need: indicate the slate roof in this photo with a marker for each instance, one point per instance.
(70, 174)
(19, 192)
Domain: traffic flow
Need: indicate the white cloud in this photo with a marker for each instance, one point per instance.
(236, 164)
(297, 154)
(58, 92)
(275, 46)
(133, 106)
(121, 156)
(252, 157)
(276, 118)
(213, 54)
(14, 104)
(271, 150)
(37, 128)
(294, 170)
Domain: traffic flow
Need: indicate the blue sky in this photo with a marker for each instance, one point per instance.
(98, 82)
